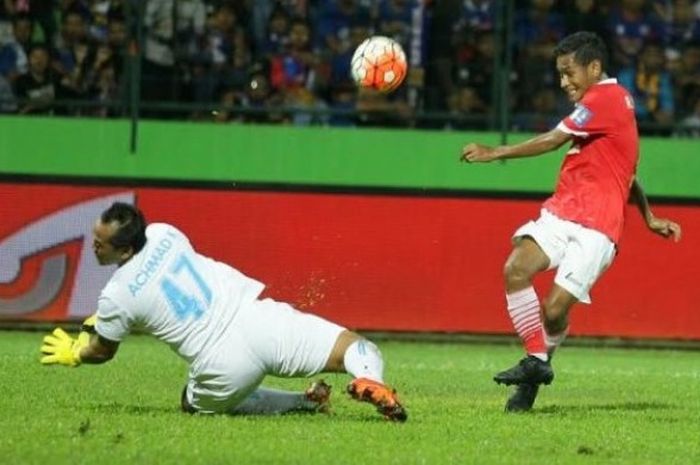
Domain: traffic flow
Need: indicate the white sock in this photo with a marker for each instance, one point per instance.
(524, 312)
(265, 401)
(363, 359)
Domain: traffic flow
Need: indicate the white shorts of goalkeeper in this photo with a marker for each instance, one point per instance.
(267, 338)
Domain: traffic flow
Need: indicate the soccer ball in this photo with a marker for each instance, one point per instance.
(379, 63)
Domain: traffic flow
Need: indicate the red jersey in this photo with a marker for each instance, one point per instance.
(598, 170)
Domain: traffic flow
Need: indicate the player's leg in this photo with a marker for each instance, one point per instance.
(556, 309)
(227, 380)
(261, 401)
(363, 360)
(588, 254)
(302, 344)
(527, 259)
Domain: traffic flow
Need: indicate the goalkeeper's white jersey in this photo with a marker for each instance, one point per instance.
(183, 298)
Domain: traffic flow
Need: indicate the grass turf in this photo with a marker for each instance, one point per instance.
(611, 406)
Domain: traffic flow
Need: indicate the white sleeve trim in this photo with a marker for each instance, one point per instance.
(564, 128)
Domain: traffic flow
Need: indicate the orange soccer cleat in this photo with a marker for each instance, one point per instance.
(379, 395)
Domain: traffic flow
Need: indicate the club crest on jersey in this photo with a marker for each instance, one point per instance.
(581, 115)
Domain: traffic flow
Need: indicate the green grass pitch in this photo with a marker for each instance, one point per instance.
(606, 406)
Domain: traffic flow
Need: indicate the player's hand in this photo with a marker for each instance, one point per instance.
(665, 228)
(61, 349)
(478, 153)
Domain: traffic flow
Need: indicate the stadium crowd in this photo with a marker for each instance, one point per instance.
(288, 61)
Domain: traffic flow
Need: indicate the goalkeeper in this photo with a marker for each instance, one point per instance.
(210, 314)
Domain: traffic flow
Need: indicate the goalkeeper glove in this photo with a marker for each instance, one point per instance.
(60, 348)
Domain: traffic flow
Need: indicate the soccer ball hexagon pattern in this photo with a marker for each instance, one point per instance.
(379, 63)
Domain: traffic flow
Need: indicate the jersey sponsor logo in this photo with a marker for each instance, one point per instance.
(43, 243)
(581, 115)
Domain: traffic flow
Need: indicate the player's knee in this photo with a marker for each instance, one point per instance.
(515, 274)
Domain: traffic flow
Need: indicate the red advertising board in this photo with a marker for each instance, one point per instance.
(379, 262)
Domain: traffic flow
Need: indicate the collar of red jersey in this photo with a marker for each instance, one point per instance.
(607, 81)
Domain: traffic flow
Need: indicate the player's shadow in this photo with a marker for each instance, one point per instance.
(115, 407)
(618, 407)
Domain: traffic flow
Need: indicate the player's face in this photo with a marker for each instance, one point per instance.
(104, 251)
(575, 78)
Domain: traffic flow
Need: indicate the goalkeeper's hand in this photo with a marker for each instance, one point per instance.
(59, 348)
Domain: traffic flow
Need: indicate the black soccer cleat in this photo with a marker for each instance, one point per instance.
(529, 370)
(523, 398)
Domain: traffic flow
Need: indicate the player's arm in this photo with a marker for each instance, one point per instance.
(59, 348)
(99, 350)
(660, 226)
(537, 145)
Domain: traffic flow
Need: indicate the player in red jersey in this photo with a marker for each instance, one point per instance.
(581, 223)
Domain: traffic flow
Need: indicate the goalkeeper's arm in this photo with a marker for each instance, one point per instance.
(61, 349)
(98, 349)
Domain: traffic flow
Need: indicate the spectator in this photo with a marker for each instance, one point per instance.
(650, 85)
(211, 65)
(686, 73)
(38, 87)
(295, 66)
(467, 110)
(541, 114)
(103, 86)
(42, 13)
(170, 28)
(538, 23)
(478, 15)
(584, 15)
(261, 12)
(538, 30)
(690, 125)
(13, 55)
(395, 20)
(260, 102)
(684, 25)
(7, 12)
(277, 34)
(475, 70)
(74, 54)
(116, 42)
(444, 30)
(336, 19)
(630, 25)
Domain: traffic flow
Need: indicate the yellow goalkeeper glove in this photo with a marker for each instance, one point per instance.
(59, 348)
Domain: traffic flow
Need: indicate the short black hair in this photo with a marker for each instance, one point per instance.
(132, 226)
(586, 47)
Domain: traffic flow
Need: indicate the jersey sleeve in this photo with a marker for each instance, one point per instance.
(113, 322)
(591, 117)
